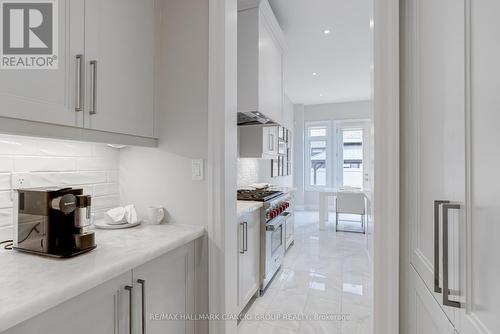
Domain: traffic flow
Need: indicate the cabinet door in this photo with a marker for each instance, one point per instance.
(437, 134)
(482, 312)
(270, 141)
(102, 310)
(49, 95)
(270, 73)
(120, 36)
(168, 292)
(249, 258)
(426, 315)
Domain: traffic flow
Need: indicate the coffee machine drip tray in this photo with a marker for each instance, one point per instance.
(53, 255)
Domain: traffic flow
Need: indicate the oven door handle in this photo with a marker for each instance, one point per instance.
(275, 223)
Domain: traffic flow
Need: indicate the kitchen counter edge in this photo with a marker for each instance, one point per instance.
(14, 312)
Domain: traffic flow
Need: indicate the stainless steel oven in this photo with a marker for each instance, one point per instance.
(275, 247)
(273, 238)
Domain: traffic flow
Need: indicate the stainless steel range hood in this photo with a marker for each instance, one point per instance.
(253, 118)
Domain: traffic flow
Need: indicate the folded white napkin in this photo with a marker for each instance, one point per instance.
(121, 215)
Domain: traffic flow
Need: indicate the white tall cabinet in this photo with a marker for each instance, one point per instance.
(450, 154)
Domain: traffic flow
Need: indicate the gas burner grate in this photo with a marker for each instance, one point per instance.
(257, 195)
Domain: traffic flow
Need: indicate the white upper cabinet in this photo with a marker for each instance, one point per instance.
(260, 62)
(104, 81)
(119, 49)
(49, 95)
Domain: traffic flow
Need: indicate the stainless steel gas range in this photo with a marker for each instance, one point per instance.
(276, 214)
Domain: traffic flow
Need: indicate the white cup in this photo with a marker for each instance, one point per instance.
(156, 214)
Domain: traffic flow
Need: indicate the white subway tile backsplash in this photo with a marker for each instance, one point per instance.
(6, 164)
(58, 163)
(5, 199)
(5, 217)
(64, 148)
(107, 163)
(106, 151)
(12, 145)
(113, 177)
(44, 164)
(106, 189)
(65, 179)
(101, 203)
(4, 181)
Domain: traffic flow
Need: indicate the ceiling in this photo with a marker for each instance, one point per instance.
(341, 59)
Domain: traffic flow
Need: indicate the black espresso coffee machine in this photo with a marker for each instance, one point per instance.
(53, 222)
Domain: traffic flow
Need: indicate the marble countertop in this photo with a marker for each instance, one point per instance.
(243, 207)
(31, 284)
(285, 190)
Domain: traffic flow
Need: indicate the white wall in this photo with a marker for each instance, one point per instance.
(320, 112)
(57, 163)
(162, 176)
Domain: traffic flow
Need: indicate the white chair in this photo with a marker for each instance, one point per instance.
(351, 203)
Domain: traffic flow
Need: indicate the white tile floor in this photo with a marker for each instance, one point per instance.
(324, 272)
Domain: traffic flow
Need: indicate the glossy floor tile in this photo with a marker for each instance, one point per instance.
(325, 273)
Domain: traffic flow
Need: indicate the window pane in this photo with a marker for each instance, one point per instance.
(317, 131)
(353, 157)
(317, 151)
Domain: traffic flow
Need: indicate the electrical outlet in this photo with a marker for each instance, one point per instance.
(20, 181)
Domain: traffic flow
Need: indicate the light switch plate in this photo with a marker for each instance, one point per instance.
(197, 170)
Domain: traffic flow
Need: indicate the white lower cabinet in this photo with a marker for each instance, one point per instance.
(102, 310)
(426, 316)
(144, 300)
(164, 289)
(248, 257)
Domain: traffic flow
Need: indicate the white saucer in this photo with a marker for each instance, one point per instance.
(101, 224)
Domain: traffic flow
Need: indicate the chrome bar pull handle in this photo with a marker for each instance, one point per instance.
(93, 104)
(79, 83)
(130, 307)
(446, 290)
(437, 288)
(242, 251)
(245, 245)
(143, 302)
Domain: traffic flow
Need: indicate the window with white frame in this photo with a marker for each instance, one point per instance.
(317, 154)
(336, 154)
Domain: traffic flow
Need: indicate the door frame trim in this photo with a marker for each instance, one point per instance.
(222, 157)
(386, 175)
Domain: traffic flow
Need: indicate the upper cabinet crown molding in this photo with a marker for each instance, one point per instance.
(268, 15)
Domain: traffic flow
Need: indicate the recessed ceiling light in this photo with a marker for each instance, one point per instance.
(320, 95)
(372, 23)
(314, 73)
(327, 31)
